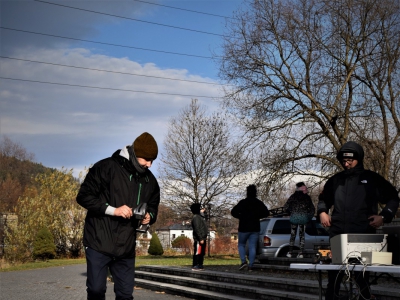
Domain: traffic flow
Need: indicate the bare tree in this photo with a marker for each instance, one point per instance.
(16, 165)
(309, 75)
(10, 191)
(9, 148)
(200, 161)
(166, 217)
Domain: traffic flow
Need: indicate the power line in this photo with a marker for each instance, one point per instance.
(132, 19)
(189, 10)
(104, 43)
(103, 88)
(108, 71)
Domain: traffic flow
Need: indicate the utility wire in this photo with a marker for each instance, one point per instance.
(103, 88)
(189, 10)
(104, 43)
(132, 19)
(108, 71)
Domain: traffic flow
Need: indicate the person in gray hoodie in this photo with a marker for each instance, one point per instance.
(354, 195)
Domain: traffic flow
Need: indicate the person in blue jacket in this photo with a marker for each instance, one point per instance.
(249, 211)
(354, 195)
(111, 191)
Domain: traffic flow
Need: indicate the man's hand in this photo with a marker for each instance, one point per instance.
(202, 242)
(325, 219)
(146, 219)
(375, 221)
(123, 211)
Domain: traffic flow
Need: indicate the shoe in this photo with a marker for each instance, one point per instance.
(196, 268)
(300, 255)
(250, 269)
(289, 255)
(200, 268)
(243, 265)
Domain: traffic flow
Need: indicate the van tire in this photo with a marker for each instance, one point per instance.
(283, 252)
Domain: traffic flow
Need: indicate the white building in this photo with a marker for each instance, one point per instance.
(169, 233)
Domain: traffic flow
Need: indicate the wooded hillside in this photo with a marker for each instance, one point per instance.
(17, 170)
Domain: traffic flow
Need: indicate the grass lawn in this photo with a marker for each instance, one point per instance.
(140, 261)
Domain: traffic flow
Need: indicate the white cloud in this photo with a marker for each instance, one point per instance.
(76, 126)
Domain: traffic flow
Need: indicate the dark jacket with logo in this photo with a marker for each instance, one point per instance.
(249, 211)
(115, 181)
(355, 195)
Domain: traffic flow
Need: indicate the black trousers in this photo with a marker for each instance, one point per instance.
(360, 283)
(198, 253)
(122, 270)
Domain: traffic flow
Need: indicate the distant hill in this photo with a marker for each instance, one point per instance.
(15, 176)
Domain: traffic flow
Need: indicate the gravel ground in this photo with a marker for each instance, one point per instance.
(283, 271)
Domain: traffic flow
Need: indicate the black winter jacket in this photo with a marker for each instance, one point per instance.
(114, 181)
(355, 198)
(355, 195)
(249, 211)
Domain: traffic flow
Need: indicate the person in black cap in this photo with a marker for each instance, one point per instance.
(354, 195)
(199, 237)
(111, 191)
(301, 210)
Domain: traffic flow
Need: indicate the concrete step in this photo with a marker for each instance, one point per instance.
(184, 291)
(224, 285)
(227, 291)
(245, 286)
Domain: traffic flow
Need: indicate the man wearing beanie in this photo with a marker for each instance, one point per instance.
(111, 191)
(354, 195)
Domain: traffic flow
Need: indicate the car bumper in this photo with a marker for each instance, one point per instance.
(268, 253)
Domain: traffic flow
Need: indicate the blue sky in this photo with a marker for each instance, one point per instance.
(73, 127)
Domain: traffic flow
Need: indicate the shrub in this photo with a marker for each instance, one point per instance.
(172, 252)
(155, 246)
(224, 245)
(183, 243)
(64, 217)
(43, 246)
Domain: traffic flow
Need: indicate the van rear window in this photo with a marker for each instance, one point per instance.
(281, 227)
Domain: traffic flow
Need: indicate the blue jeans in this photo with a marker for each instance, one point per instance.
(251, 238)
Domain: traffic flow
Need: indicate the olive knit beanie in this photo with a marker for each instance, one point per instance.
(145, 146)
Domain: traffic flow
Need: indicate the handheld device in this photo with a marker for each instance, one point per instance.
(140, 213)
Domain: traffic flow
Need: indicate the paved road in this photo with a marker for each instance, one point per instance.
(60, 283)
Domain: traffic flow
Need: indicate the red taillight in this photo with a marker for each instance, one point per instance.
(267, 241)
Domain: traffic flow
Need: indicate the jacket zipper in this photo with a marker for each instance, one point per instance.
(138, 198)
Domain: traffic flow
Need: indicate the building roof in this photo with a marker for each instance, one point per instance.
(177, 226)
